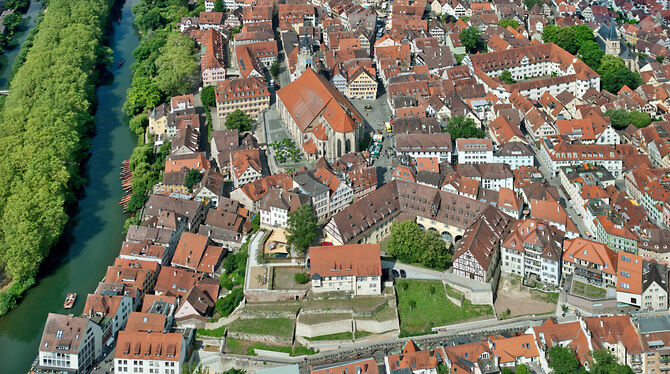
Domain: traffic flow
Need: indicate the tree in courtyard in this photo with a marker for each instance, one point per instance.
(302, 228)
(531, 3)
(639, 119)
(208, 96)
(591, 54)
(504, 22)
(562, 360)
(463, 127)
(193, 176)
(471, 38)
(605, 363)
(274, 69)
(410, 243)
(218, 6)
(506, 77)
(613, 82)
(619, 118)
(660, 59)
(239, 120)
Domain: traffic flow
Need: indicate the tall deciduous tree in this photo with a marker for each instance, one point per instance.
(239, 120)
(410, 243)
(462, 127)
(471, 38)
(591, 54)
(177, 65)
(562, 360)
(208, 96)
(302, 228)
(218, 6)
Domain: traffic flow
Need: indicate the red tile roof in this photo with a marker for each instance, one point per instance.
(346, 260)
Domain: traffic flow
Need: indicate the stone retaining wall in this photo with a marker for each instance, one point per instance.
(326, 328)
(260, 338)
(376, 327)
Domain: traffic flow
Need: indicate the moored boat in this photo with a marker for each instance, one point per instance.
(69, 300)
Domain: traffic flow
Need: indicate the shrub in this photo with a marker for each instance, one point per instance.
(301, 278)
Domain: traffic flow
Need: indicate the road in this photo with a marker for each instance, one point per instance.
(413, 272)
(567, 203)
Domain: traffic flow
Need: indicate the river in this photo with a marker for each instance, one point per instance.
(94, 237)
(7, 59)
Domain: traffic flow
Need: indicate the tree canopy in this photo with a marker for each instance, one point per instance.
(177, 66)
(562, 360)
(239, 120)
(569, 38)
(219, 6)
(508, 22)
(621, 118)
(605, 363)
(410, 243)
(462, 127)
(506, 77)
(591, 54)
(471, 38)
(302, 228)
(47, 118)
(193, 176)
(208, 96)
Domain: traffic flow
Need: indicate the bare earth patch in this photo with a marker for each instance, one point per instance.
(519, 300)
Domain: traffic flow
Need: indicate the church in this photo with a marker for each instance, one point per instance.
(608, 39)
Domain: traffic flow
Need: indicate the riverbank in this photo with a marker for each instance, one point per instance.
(92, 238)
(165, 65)
(47, 121)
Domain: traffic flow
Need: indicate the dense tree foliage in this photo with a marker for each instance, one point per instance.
(569, 38)
(591, 54)
(562, 360)
(462, 127)
(46, 119)
(208, 96)
(531, 3)
(504, 22)
(193, 176)
(471, 38)
(177, 66)
(226, 305)
(239, 120)
(621, 118)
(506, 77)
(605, 363)
(302, 228)
(410, 243)
(218, 6)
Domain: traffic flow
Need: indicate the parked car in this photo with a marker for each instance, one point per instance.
(326, 244)
(403, 274)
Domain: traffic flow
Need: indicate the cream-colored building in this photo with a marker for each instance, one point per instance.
(250, 95)
(353, 268)
(362, 85)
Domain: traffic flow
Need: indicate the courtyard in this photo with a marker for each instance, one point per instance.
(520, 300)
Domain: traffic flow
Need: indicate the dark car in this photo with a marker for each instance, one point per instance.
(394, 273)
(403, 274)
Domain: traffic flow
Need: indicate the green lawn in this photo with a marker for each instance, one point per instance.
(549, 297)
(245, 347)
(279, 327)
(338, 336)
(588, 290)
(218, 332)
(429, 310)
(361, 334)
